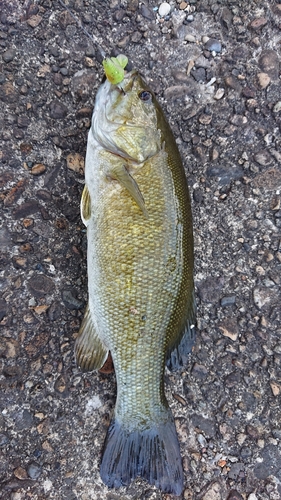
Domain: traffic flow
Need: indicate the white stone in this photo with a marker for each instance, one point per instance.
(93, 404)
(219, 94)
(164, 9)
(190, 38)
(252, 496)
(47, 485)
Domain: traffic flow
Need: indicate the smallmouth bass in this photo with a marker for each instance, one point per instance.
(141, 306)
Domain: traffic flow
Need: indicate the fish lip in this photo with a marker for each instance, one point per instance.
(129, 76)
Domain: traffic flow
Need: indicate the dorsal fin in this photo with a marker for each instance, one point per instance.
(178, 353)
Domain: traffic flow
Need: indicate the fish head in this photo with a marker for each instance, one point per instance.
(125, 118)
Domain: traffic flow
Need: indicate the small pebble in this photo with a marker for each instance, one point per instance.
(263, 80)
(190, 38)
(228, 301)
(229, 328)
(20, 473)
(136, 37)
(58, 110)
(226, 17)
(38, 169)
(234, 474)
(70, 300)
(238, 120)
(34, 471)
(147, 12)
(258, 23)
(9, 55)
(39, 285)
(219, 94)
(164, 9)
(277, 107)
(199, 74)
(275, 388)
(263, 296)
(75, 162)
(202, 440)
(263, 158)
(213, 45)
(210, 83)
(34, 21)
(233, 83)
(188, 494)
(205, 119)
(269, 63)
(199, 371)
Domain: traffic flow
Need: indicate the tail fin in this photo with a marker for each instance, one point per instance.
(152, 453)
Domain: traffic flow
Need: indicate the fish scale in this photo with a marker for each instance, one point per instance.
(137, 211)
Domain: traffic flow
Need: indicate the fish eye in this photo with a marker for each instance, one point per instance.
(145, 95)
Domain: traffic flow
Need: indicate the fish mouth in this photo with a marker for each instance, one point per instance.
(127, 83)
(113, 93)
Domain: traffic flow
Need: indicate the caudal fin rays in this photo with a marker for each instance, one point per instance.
(151, 453)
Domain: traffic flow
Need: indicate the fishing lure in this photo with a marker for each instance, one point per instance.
(114, 68)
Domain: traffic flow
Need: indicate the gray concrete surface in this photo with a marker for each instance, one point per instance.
(222, 98)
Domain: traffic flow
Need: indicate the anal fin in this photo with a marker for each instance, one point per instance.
(90, 352)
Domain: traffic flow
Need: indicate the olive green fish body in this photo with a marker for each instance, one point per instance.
(140, 277)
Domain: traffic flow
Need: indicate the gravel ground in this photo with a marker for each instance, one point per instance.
(214, 66)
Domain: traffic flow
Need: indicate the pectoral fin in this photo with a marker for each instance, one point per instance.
(121, 174)
(85, 206)
(90, 352)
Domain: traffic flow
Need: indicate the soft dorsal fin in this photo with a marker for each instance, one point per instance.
(85, 206)
(90, 352)
(178, 353)
(121, 174)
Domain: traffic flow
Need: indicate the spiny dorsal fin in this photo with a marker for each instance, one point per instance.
(90, 352)
(85, 206)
